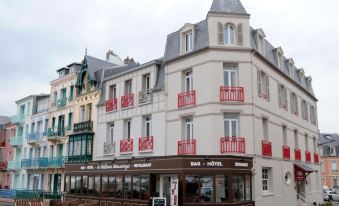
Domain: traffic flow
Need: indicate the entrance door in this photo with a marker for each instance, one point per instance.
(57, 183)
(166, 189)
(169, 189)
(301, 188)
(59, 150)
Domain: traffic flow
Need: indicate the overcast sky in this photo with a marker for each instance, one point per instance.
(37, 37)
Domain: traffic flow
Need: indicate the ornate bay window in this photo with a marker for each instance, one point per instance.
(80, 148)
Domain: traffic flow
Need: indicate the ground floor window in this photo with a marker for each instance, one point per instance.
(266, 172)
(199, 188)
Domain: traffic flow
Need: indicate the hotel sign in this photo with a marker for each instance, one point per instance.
(112, 166)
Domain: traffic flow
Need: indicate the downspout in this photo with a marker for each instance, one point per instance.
(253, 117)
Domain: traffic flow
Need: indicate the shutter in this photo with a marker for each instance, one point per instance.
(279, 95)
(220, 33)
(285, 97)
(240, 35)
(291, 102)
(259, 83)
(267, 87)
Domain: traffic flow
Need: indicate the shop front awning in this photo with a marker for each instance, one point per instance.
(301, 171)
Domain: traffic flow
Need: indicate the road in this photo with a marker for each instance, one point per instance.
(6, 204)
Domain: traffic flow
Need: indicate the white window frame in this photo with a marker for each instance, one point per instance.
(188, 81)
(333, 165)
(146, 82)
(263, 85)
(232, 72)
(282, 90)
(188, 122)
(284, 130)
(147, 126)
(128, 128)
(229, 34)
(188, 40)
(128, 87)
(112, 91)
(110, 135)
(332, 151)
(230, 128)
(266, 179)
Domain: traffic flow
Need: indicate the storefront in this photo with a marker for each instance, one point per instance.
(181, 180)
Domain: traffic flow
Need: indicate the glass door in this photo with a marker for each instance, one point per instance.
(230, 76)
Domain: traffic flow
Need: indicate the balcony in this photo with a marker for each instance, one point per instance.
(62, 102)
(18, 119)
(55, 133)
(266, 148)
(109, 148)
(231, 94)
(3, 165)
(78, 158)
(308, 156)
(187, 147)
(146, 144)
(16, 141)
(35, 137)
(316, 158)
(127, 101)
(126, 146)
(232, 145)
(145, 97)
(111, 105)
(297, 154)
(186, 99)
(14, 165)
(30, 163)
(52, 162)
(3, 144)
(86, 126)
(286, 152)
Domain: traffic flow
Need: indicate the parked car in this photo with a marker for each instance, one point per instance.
(327, 194)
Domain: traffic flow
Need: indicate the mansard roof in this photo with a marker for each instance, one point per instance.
(94, 64)
(228, 7)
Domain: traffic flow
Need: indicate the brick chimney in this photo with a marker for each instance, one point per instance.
(128, 61)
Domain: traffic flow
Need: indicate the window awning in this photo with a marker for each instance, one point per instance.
(301, 171)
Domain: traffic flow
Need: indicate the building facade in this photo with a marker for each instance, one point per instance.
(329, 152)
(4, 149)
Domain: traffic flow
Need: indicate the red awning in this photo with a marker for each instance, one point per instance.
(301, 171)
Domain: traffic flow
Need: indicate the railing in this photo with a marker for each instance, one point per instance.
(70, 98)
(109, 148)
(3, 144)
(286, 152)
(3, 165)
(78, 158)
(35, 136)
(316, 158)
(62, 102)
(297, 154)
(146, 144)
(111, 105)
(232, 145)
(14, 165)
(83, 126)
(308, 156)
(266, 148)
(187, 147)
(28, 194)
(231, 94)
(15, 141)
(52, 162)
(56, 132)
(186, 99)
(127, 101)
(20, 118)
(145, 97)
(30, 163)
(126, 146)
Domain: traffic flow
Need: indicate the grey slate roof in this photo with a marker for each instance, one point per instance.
(4, 120)
(172, 49)
(228, 7)
(95, 64)
(326, 146)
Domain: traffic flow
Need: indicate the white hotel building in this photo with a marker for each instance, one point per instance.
(224, 118)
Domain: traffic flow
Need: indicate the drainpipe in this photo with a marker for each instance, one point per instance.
(254, 154)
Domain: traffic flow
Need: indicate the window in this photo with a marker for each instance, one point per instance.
(229, 34)
(188, 81)
(265, 128)
(70, 120)
(128, 129)
(230, 125)
(314, 145)
(199, 188)
(282, 96)
(238, 188)
(55, 98)
(28, 108)
(128, 87)
(312, 115)
(335, 181)
(304, 110)
(332, 151)
(188, 41)
(67, 184)
(261, 44)
(97, 185)
(296, 140)
(263, 85)
(146, 82)
(284, 131)
(188, 128)
(112, 92)
(71, 93)
(128, 187)
(72, 183)
(85, 184)
(221, 190)
(110, 134)
(82, 113)
(334, 165)
(51, 151)
(147, 126)
(230, 76)
(266, 179)
(104, 186)
(89, 109)
(294, 103)
(306, 142)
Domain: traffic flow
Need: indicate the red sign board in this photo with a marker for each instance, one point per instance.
(299, 174)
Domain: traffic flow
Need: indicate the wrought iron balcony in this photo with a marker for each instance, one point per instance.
(86, 126)
(14, 165)
(109, 148)
(30, 163)
(232, 145)
(145, 97)
(146, 144)
(78, 158)
(231, 94)
(55, 132)
(187, 147)
(186, 99)
(286, 152)
(111, 105)
(18, 119)
(62, 102)
(52, 162)
(16, 141)
(127, 101)
(266, 148)
(34, 137)
(126, 146)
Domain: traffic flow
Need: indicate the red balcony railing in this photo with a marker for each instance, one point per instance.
(146, 144)
(126, 146)
(316, 158)
(232, 145)
(186, 99)
(308, 156)
(3, 165)
(127, 101)
(111, 105)
(187, 147)
(286, 152)
(2, 144)
(297, 154)
(231, 94)
(266, 148)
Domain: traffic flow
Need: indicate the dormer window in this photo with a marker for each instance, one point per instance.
(261, 41)
(280, 58)
(188, 41)
(229, 34)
